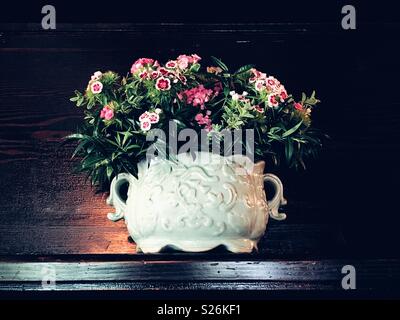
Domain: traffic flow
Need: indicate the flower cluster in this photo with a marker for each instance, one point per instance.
(185, 61)
(274, 90)
(148, 118)
(204, 120)
(120, 111)
(172, 72)
(142, 63)
(197, 96)
(107, 113)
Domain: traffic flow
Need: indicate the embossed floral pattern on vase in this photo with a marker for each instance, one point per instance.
(195, 204)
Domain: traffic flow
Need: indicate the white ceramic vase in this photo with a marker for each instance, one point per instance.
(197, 204)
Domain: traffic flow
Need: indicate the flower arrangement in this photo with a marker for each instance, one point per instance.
(120, 112)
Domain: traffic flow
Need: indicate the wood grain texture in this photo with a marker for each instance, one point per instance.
(340, 211)
(193, 275)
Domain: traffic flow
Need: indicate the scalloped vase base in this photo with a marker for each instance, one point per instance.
(233, 245)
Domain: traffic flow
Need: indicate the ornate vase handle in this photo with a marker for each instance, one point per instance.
(115, 198)
(278, 199)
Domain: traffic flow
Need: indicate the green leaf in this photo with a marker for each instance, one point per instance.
(76, 136)
(195, 67)
(244, 69)
(109, 172)
(220, 63)
(292, 130)
(289, 150)
(80, 101)
(79, 148)
(127, 135)
(303, 97)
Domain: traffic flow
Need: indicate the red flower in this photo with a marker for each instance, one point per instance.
(163, 84)
(272, 102)
(259, 109)
(143, 75)
(171, 64)
(183, 79)
(283, 95)
(298, 106)
(155, 74)
(163, 71)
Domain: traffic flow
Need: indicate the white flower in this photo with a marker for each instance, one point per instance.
(96, 87)
(96, 76)
(245, 93)
(144, 116)
(145, 125)
(154, 117)
(232, 93)
(158, 111)
(260, 85)
(235, 97)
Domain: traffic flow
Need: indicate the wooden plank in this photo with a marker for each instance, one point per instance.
(173, 271)
(153, 275)
(141, 287)
(103, 237)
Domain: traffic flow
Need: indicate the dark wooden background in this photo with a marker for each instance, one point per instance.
(342, 209)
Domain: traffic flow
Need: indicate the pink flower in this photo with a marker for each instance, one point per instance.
(218, 88)
(107, 113)
(183, 79)
(144, 116)
(141, 63)
(298, 106)
(163, 84)
(283, 95)
(171, 64)
(252, 79)
(154, 117)
(195, 58)
(155, 74)
(171, 75)
(257, 74)
(196, 96)
(163, 71)
(260, 85)
(183, 61)
(204, 120)
(259, 109)
(199, 117)
(272, 102)
(271, 81)
(143, 75)
(147, 118)
(96, 87)
(145, 125)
